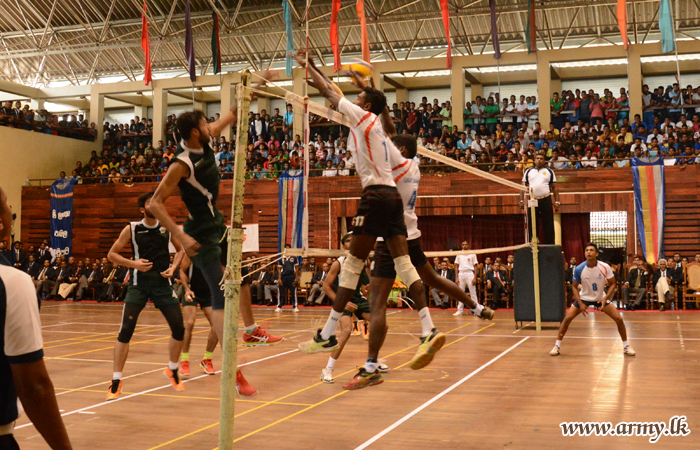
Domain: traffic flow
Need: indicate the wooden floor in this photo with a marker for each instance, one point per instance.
(491, 387)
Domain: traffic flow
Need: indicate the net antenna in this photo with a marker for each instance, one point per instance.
(232, 276)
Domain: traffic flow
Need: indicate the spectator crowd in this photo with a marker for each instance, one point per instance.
(67, 125)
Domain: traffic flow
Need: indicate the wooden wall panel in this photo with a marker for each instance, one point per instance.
(101, 211)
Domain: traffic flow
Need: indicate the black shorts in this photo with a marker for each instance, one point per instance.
(384, 263)
(594, 304)
(380, 213)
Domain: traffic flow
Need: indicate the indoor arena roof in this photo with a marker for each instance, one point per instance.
(60, 42)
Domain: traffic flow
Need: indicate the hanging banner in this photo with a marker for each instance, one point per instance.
(650, 208)
(291, 207)
(251, 238)
(622, 21)
(61, 217)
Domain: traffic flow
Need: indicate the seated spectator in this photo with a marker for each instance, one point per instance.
(496, 283)
(636, 284)
(664, 281)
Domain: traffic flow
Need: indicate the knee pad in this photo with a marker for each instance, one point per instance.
(405, 270)
(350, 273)
(126, 331)
(177, 331)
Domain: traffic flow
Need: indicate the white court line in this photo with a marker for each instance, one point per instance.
(104, 382)
(104, 360)
(437, 397)
(612, 338)
(155, 389)
(57, 324)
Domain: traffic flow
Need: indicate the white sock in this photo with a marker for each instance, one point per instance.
(625, 344)
(371, 366)
(172, 365)
(116, 375)
(331, 363)
(477, 309)
(331, 325)
(558, 343)
(426, 322)
(251, 328)
(460, 306)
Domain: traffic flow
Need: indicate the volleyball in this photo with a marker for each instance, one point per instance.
(360, 67)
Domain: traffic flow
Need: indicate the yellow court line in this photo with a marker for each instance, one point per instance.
(79, 340)
(292, 394)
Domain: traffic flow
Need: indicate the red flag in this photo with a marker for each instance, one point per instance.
(335, 44)
(145, 43)
(363, 29)
(446, 23)
(622, 21)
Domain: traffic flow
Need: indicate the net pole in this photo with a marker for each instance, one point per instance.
(233, 286)
(535, 264)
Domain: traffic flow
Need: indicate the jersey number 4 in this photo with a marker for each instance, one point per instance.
(412, 200)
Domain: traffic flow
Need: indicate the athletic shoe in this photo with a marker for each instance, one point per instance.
(382, 367)
(185, 368)
(296, 309)
(629, 351)
(243, 388)
(278, 309)
(318, 345)
(365, 330)
(427, 349)
(486, 313)
(554, 351)
(207, 366)
(260, 337)
(356, 328)
(114, 390)
(175, 381)
(364, 379)
(327, 376)
(458, 313)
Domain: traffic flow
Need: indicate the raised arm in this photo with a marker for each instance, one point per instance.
(324, 87)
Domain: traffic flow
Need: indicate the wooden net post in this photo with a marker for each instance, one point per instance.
(233, 272)
(535, 264)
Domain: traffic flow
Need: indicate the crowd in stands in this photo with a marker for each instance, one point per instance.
(42, 121)
(58, 277)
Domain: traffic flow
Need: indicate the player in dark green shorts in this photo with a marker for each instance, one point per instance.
(149, 280)
(194, 170)
(196, 293)
(358, 306)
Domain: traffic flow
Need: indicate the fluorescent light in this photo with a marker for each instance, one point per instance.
(603, 62)
(668, 58)
(507, 68)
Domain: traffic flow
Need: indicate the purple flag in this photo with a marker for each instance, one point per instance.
(494, 31)
(189, 42)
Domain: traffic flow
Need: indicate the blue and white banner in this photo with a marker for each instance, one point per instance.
(61, 217)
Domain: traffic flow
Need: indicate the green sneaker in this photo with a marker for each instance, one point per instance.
(427, 349)
(318, 345)
(364, 379)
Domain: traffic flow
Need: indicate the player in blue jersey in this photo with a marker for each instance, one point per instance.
(592, 276)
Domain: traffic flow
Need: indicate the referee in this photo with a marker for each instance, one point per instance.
(542, 183)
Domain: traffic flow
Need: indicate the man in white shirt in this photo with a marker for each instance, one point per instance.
(558, 162)
(521, 109)
(464, 267)
(592, 276)
(589, 161)
(506, 110)
(542, 183)
(684, 121)
(533, 112)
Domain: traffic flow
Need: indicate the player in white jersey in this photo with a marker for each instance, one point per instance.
(592, 276)
(380, 214)
(464, 266)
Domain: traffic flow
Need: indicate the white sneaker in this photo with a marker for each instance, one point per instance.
(629, 351)
(555, 351)
(278, 309)
(382, 367)
(296, 309)
(327, 376)
(458, 313)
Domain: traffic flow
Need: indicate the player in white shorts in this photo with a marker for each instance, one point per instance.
(464, 266)
(592, 276)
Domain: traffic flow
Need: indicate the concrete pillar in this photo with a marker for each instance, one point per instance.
(298, 89)
(264, 103)
(379, 80)
(555, 85)
(228, 98)
(36, 104)
(160, 112)
(401, 95)
(544, 89)
(477, 91)
(635, 80)
(457, 85)
(97, 115)
(557, 229)
(141, 111)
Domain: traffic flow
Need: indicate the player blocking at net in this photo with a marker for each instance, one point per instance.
(380, 214)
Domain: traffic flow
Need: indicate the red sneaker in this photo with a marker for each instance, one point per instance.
(207, 366)
(185, 368)
(244, 388)
(260, 337)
